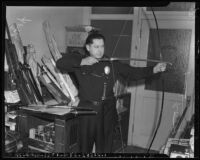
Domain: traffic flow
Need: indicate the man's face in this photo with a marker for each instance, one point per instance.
(96, 49)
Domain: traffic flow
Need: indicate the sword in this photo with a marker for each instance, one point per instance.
(61, 106)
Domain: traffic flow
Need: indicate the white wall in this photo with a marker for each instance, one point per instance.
(32, 32)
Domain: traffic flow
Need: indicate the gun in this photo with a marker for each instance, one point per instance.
(15, 68)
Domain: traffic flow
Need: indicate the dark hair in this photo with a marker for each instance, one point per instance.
(93, 36)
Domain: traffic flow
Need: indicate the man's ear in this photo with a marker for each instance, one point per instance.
(87, 47)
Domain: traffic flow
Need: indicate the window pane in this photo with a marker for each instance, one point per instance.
(112, 10)
(175, 48)
(175, 6)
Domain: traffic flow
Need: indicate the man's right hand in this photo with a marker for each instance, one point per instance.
(89, 61)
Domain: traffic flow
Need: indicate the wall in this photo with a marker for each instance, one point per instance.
(146, 104)
(32, 32)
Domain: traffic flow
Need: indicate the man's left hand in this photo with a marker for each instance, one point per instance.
(160, 67)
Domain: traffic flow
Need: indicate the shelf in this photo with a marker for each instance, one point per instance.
(41, 145)
(65, 130)
(35, 149)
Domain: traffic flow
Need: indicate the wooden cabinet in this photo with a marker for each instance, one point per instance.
(64, 130)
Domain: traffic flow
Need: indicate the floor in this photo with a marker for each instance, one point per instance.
(135, 149)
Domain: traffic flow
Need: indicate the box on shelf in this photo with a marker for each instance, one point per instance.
(42, 137)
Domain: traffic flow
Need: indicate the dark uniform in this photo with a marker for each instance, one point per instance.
(96, 91)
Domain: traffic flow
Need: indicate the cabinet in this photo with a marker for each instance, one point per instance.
(64, 131)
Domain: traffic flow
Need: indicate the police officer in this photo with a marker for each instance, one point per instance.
(96, 80)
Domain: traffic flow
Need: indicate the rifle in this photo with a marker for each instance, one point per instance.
(24, 88)
(31, 80)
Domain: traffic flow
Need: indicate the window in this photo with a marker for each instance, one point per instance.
(174, 6)
(112, 10)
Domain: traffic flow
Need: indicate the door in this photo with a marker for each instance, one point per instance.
(176, 46)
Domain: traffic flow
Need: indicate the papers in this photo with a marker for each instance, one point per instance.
(11, 125)
(12, 114)
(11, 96)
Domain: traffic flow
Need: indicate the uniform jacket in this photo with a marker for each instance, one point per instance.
(92, 78)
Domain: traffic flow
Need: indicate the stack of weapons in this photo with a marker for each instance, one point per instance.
(28, 74)
(20, 73)
(65, 83)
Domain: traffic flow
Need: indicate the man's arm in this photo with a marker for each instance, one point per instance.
(138, 73)
(69, 62)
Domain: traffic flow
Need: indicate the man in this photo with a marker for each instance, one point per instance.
(96, 80)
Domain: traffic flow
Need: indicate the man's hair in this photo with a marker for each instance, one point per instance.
(90, 38)
(93, 36)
